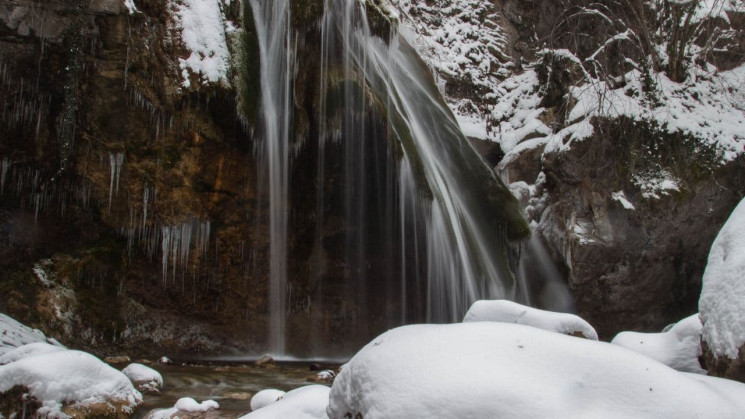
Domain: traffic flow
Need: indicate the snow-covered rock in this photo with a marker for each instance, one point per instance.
(14, 334)
(185, 406)
(30, 349)
(307, 402)
(500, 370)
(204, 30)
(144, 378)
(266, 397)
(504, 311)
(722, 301)
(71, 378)
(679, 347)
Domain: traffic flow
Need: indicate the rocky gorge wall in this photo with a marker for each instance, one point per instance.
(133, 212)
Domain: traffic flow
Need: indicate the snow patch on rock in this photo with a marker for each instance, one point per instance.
(504, 311)
(620, 197)
(145, 378)
(204, 30)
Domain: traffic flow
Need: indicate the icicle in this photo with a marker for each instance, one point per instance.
(115, 162)
(166, 247)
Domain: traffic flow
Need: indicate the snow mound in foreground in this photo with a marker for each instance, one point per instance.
(145, 378)
(307, 402)
(504, 311)
(265, 398)
(31, 349)
(14, 334)
(722, 301)
(70, 377)
(678, 348)
(501, 370)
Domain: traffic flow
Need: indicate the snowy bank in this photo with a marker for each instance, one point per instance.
(307, 402)
(73, 378)
(678, 348)
(722, 302)
(501, 370)
(504, 311)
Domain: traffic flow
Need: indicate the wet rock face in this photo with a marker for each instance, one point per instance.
(106, 154)
(634, 268)
(723, 366)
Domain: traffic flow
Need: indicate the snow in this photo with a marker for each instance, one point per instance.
(722, 301)
(678, 348)
(14, 334)
(709, 106)
(504, 311)
(266, 397)
(620, 197)
(308, 402)
(203, 29)
(27, 350)
(503, 370)
(69, 376)
(144, 377)
(130, 4)
(187, 404)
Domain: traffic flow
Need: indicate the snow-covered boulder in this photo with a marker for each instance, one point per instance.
(307, 402)
(502, 370)
(504, 311)
(266, 397)
(14, 334)
(30, 349)
(722, 301)
(144, 378)
(185, 407)
(679, 347)
(78, 380)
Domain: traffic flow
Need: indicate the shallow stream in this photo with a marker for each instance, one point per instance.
(229, 384)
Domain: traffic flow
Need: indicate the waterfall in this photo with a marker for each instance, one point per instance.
(272, 22)
(449, 218)
(397, 219)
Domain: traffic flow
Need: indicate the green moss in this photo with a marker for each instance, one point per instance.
(248, 69)
(305, 13)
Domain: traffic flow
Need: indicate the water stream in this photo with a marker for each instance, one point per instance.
(410, 224)
(272, 21)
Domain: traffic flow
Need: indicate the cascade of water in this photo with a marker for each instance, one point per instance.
(542, 284)
(272, 22)
(450, 223)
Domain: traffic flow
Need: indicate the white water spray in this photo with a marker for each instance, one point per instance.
(272, 22)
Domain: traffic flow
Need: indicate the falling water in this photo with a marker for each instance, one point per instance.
(457, 200)
(272, 20)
